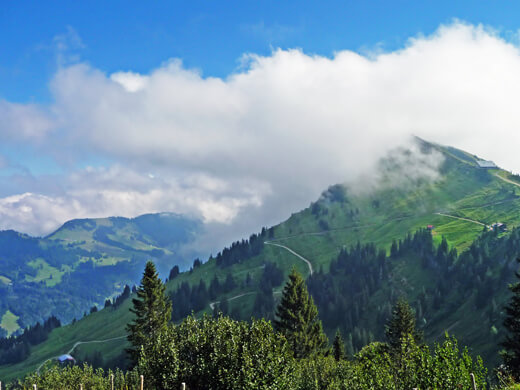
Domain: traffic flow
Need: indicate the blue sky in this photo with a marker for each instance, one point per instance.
(239, 113)
(211, 35)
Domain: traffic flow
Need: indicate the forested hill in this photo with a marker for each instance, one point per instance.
(81, 264)
(429, 240)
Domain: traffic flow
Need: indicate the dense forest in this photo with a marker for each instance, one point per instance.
(342, 296)
(358, 275)
(16, 349)
(222, 353)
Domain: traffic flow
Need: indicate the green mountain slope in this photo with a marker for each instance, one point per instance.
(81, 264)
(454, 275)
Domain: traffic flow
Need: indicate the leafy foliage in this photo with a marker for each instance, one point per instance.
(218, 354)
(58, 378)
(225, 354)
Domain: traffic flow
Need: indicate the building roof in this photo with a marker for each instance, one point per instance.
(486, 164)
(66, 357)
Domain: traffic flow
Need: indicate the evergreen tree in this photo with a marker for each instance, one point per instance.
(511, 352)
(350, 345)
(174, 272)
(338, 347)
(400, 324)
(264, 303)
(224, 307)
(297, 319)
(230, 283)
(152, 309)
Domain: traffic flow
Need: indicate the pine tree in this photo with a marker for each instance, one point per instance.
(338, 347)
(297, 319)
(511, 353)
(350, 345)
(152, 309)
(400, 324)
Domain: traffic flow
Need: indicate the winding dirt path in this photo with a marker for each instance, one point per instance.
(293, 252)
(93, 342)
(507, 180)
(212, 304)
(74, 347)
(462, 219)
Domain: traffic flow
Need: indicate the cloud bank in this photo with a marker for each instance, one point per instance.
(246, 151)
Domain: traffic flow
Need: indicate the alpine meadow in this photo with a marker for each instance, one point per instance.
(236, 195)
(447, 246)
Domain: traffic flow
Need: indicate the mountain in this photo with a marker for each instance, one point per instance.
(447, 241)
(82, 263)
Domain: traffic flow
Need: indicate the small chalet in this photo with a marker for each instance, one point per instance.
(499, 226)
(430, 227)
(65, 359)
(486, 164)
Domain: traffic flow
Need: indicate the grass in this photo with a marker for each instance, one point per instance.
(9, 322)
(5, 280)
(45, 272)
(380, 217)
(102, 325)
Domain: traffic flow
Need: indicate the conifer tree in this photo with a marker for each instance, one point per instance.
(297, 319)
(400, 324)
(511, 353)
(338, 347)
(152, 310)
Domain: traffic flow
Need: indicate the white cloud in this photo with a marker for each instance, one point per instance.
(66, 47)
(36, 213)
(267, 140)
(20, 122)
(132, 82)
(119, 191)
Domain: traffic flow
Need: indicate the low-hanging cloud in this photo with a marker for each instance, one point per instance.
(247, 150)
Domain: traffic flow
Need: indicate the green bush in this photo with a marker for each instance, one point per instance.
(219, 354)
(225, 354)
(58, 378)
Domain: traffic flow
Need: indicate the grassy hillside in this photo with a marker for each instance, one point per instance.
(81, 264)
(460, 204)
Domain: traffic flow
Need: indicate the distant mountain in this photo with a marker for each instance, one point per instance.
(82, 263)
(432, 239)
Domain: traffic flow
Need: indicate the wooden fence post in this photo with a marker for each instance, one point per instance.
(142, 382)
(111, 382)
(183, 386)
(80, 386)
(34, 387)
(473, 381)
(0, 385)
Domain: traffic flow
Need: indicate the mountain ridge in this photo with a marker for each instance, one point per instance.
(339, 230)
(53, 269)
